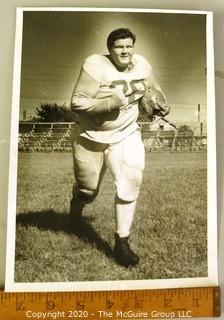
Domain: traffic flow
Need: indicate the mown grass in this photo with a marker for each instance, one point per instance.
(169, 233)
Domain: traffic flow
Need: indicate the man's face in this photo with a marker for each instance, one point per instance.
(121, 52)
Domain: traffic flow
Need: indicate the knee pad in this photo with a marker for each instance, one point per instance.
(129, 183)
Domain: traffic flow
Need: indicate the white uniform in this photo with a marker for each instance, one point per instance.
(112, 127)
(112, 139)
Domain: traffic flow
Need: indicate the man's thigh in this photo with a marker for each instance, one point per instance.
(126, 161)
(88, 159)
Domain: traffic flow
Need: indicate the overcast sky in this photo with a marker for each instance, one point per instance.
(56, 43)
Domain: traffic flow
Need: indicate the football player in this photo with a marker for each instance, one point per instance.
(105, 100)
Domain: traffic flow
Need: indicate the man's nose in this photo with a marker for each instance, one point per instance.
(124, 50)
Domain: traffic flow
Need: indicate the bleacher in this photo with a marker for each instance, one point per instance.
(45, 137)
(55, 137)
(163, 140)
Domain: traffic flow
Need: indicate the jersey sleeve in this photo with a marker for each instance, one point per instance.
(149, 74)
(151, 80)
(147, 67)
(93, 67)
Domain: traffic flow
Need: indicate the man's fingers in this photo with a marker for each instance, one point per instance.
(164, 110)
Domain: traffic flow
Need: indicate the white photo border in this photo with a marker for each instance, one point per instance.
(212, 278)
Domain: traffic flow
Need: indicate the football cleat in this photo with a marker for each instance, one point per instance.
(124, 255)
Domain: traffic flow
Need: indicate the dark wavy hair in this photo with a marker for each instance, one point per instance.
(120, 33)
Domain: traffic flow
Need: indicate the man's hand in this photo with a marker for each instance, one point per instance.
(82, 103)
(117, 99)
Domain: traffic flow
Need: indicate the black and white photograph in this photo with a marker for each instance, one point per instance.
(112, 179)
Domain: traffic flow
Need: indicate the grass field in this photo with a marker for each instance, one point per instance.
(169, 233)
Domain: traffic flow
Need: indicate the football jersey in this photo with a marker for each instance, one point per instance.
(114, 126)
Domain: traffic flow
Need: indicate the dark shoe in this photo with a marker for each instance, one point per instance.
(123, 253)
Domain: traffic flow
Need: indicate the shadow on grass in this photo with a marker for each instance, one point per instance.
(53, 221)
